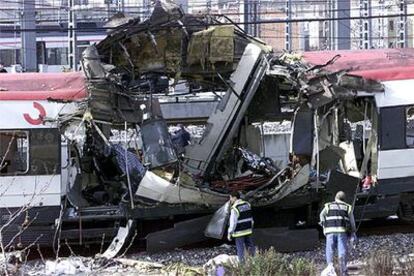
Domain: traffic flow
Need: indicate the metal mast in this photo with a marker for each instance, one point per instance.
(120, 6)
(251, 16)
(365, 24)
(72, 41)
(288, 25)
(28, 36)
(402, 22)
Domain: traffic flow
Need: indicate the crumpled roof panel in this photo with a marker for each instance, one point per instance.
(43, 86)
(376, 64)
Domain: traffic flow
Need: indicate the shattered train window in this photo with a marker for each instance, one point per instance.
(14, 153)
(158, 148)
(409, 127)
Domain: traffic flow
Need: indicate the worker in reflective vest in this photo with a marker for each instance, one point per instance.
(338, 224)
(241, 225)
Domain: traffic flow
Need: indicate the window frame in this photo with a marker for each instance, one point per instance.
(27, 133)
(405, 129)
(397, 112)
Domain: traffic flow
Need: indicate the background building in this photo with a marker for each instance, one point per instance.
(287, 25)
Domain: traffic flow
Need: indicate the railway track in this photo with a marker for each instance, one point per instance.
(387, 226)
(378, 227)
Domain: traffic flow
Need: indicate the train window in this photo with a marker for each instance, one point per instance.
(409, 127)
(392, 135)
(45, 151)
(14, 152)
(9, 56)
(57, 56)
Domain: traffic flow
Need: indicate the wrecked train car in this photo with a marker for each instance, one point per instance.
(381, 116)
(68, 176)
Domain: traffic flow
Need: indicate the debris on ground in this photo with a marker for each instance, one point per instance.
(67, 266)
(397, 244)
(216, 265)
(205, 261)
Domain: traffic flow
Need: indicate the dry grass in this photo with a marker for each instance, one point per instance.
(382, 262)
(269, 262)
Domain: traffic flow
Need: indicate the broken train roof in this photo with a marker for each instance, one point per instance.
(375, 64)
(175, 44)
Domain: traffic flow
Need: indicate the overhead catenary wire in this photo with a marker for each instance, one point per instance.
(83, 29)
(204, 24)
(102, 7)
(139, 9)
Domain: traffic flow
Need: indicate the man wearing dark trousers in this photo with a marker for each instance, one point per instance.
(241, 225)
(338, 224)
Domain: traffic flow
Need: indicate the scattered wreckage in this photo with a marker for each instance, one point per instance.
(67, 175)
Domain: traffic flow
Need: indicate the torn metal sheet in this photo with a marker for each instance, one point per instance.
(91, 64)
(226, 122)
(349, 163)
(216, 228)
(183, 233)
(300, 179)
(367, 63)
(75, 194)
(302, 133)
(164, 12)
(120, 240)
(216, 44)
(321, 94)
(154, 187)
(342, 182)
(117, 20)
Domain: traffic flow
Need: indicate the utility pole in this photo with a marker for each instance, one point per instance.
(328, 32)
(402, 22)
(28, 38)
(246, 16)
(146, 9)
(72, 40)
(304, 41)
(332, 25)
(365, 24)
(341, 29)
(288, 25)
(108, 9)
(382, 27)
(120, 6)
(251, 14)
(208, 6)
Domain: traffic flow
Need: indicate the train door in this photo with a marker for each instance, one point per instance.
(396, 137)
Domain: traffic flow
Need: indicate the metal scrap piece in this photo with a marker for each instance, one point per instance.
(119, 242)
(183, 233)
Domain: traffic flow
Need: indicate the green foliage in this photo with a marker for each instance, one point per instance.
(269, 262)
(302, 267)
